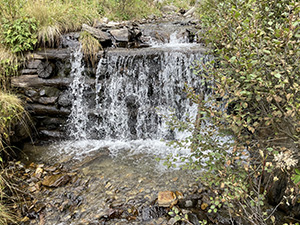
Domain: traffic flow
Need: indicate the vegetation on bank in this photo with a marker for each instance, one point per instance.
(11, 113)
(255, 97)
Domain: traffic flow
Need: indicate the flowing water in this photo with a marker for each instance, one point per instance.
(117, 126)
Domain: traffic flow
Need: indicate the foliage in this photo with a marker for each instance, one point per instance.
(257, 73)
(11, 113)
(177, 215)
(296, 177)
(20, 34)
(252, 112)
(8, 66)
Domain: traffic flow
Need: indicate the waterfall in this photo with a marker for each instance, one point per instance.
(78, 119)
(134, 92)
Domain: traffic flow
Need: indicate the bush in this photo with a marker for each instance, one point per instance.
(20, 34)
(255, 80)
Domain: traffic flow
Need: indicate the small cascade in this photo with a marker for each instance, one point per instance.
(78, 119)
(135, 92)
(133, 95)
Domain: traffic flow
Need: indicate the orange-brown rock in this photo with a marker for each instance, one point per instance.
(167, 199)
(56, 180)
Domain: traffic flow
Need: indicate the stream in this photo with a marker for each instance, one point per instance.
(112, 168)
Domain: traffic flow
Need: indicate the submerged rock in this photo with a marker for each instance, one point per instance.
(57, 180)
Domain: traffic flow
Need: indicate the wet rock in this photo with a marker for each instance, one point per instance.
(151, 212)
(35, 81)
(65, 99)
(46, 110)
(56, 180)
(31, 93)
(167, 199)
(70, 40)
(60, 53)
(52, 134)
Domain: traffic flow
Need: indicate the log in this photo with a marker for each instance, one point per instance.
(45, 69)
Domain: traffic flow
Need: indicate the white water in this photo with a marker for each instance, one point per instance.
(134, 94)
(78, 118)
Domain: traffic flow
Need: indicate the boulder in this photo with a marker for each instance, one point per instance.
(121, 34)
(65, 99)
(100, 35)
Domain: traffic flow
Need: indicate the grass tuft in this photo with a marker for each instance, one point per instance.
(56, 17)
(11, 113)
(90, 46)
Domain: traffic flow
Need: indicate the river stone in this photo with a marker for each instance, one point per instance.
(57, 180)
(121, 34)
(167, 199)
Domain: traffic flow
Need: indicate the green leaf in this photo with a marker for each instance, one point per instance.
(277, 75)
(177, 218)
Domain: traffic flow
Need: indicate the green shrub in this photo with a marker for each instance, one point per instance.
(20, 34)
(255, 80)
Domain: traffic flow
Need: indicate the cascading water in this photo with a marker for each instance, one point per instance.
(134, 93)
(78, 118)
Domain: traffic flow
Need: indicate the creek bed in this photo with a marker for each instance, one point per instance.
(118, 182)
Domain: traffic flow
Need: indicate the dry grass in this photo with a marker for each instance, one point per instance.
(6, 217)
(90, 46)
(56, 17)
(11, 113)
